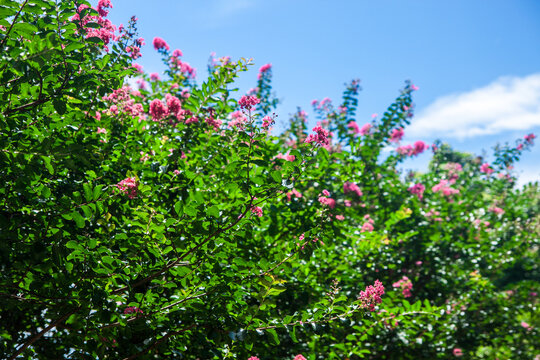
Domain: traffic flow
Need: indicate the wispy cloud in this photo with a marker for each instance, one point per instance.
(508, 103)
(222, 10)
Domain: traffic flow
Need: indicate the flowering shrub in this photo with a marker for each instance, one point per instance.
(167, 221)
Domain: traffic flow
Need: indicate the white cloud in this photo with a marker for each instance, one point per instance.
(508, 103)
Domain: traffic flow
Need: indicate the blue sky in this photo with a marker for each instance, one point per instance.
(476, 62)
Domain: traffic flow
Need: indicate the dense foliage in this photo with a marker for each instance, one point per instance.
(169, 221)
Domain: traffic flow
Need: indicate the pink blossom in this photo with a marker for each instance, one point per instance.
(257, 210)
(101, 130)
(247, 102)
(519, 147)
(352, 187)
(237, 120)
(158, 110)
(331, 203)
(368, 225)
(374, 115)
(418, 190)
(132, 309)
(371, 296)
(414, 87)
(102, 5)
(128, 186)
(526, 326)
(154, 76)
(496, 210)
(529, 138)
(299, 357)
(457, 352)
(405, 150)
(265, 68)
(485, 168)
(294, 192)
(444, 187)
(267, 121)
(177, 53)
(418, 263)
(405, 284)
(326, 192)
(340, 217)
(138, 67)
(365, 129)
(173, 104)
(321, 136)
(159, 43)
(396, 135)
(286, 157)
(347, 203)
(354, 127)
(253, 358)
(419, 147)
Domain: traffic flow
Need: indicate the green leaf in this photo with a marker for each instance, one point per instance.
(273, 336)
(78, 218)
(213, 211)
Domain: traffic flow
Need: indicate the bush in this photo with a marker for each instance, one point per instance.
(169, 222)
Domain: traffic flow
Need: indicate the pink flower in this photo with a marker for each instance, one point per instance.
(485, 168)
(326, 192)
(237, 120)
(174, 104)
(253, 358)
(128, 186)
(414, 87)
(102, 5)
(396, 135)
(419, 147)
(405, 150)
(405, 284)
(321, 137)
(444, 187)
(154, 76)
(265, 68)
(529, 138)
(257, 210)
(132, 309)
(496, 210)
(247, 102)
(418, 263)
(457, 352)
(294, 192)
(352, 187)
(418, 190)
(299, 357)
(365, 129)
(526, 326)
(177, 53)
(138, 67)
(371, 296)
(267, 121)
(331, 203)
(101, 130)
(354, 127)
(286, 157)
(159, 43)
(158, 110)
(340, 217)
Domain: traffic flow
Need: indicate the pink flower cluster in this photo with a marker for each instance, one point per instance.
(412, 150)
(299, 357)
(355, 129)
(264, 69)
(368, 225)
(237, 120)
(457, 352)
(267, 121)
(352, 187)
(405, 284)
(122, 102)
(496, 210)
(159, 44)
(365, 129)
(486, 169)
(158, 110)
(286, 157)
(132, 309)
(106, 29)
(294, 192)
(444, 187)
(320, 137)
(128, 186)
(396, 135)
(529, 138)
(183, 66)
(453, 170)
(257, 210)
(247, 102)
(418, 190)
(325, 200)
(371, 296)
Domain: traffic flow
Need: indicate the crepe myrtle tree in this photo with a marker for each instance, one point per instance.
(167, 219)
